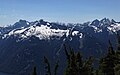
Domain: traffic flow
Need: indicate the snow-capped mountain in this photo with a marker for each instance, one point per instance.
(37, 29)
(25, 43)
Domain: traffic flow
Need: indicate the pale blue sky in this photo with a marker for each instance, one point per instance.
(73, 11)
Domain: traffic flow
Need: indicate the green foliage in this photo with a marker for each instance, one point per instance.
(75, 64)
(34, 71)
(117, 64)
(117, 69)
(87, 67)
(47, 67)
(56, 68)
(107, 63)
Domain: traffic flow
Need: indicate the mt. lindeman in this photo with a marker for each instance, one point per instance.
(24, 44)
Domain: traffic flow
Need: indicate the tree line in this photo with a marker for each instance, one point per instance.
(76, 65)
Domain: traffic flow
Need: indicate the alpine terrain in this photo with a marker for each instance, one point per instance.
(24, 44)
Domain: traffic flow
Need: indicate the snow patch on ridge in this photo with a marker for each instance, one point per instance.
(75, 33)
(96, 29)
(114, 28)
(42, 32)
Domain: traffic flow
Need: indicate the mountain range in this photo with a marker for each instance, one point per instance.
(24, 44)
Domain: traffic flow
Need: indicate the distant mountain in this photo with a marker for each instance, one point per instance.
(24, 44)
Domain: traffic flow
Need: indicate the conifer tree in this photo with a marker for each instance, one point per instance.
(79, 62)
(47, 67)
(34, 71)
(87, 68)
(70, 70)
(117, 66)
(75, 64)
(107, 63)
(56, 68)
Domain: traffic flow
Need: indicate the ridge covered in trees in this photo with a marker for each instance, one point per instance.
(76, 65)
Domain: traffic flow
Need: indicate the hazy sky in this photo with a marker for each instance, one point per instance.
(72, 11)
